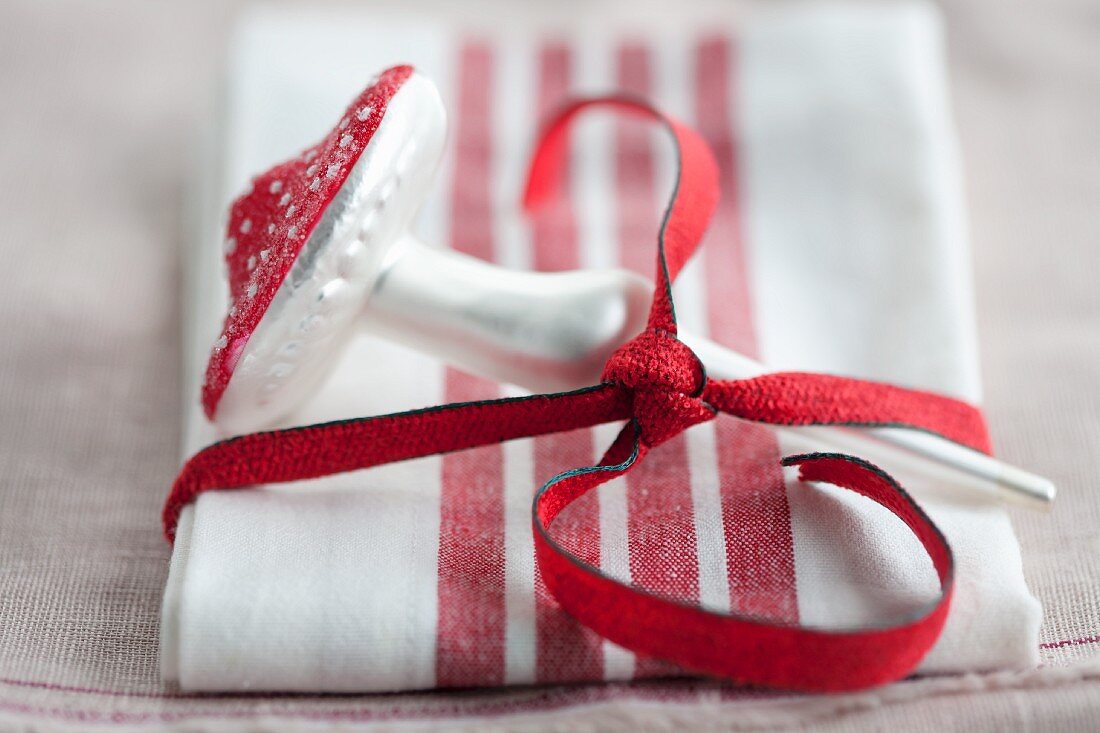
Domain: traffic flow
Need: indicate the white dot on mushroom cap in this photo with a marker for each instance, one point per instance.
(275, 186)
(252, 262)
(316, 185)
(246, 226)
(292, 232)
(230, 245)
(290, 211)
(364, 113)
(311, 170)
(252, 290)
(332, 170)
(345, 140)
(271, 228)
(221, 342)
(344, 123)
(263, 254)
(284, 200)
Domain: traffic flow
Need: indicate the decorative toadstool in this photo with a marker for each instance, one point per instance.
(320, 247)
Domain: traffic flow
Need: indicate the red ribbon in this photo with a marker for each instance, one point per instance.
(659, 386)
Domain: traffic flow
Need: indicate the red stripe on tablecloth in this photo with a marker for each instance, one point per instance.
(755, 513)
(471, 628)
(660, 517)
(566, 650)
(1070, 642)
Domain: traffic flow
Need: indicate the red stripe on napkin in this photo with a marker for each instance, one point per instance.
(755, 512)
(660, 516)
(471, 630)
(566, 650)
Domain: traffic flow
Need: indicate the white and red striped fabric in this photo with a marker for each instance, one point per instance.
(838, 245)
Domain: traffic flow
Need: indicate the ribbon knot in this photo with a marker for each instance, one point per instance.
(666, 380)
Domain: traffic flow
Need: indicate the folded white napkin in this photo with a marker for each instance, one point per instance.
(848, 208)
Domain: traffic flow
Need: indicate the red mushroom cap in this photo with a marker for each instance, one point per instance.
(269, 224)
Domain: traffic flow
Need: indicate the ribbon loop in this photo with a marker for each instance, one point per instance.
(666, 379)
